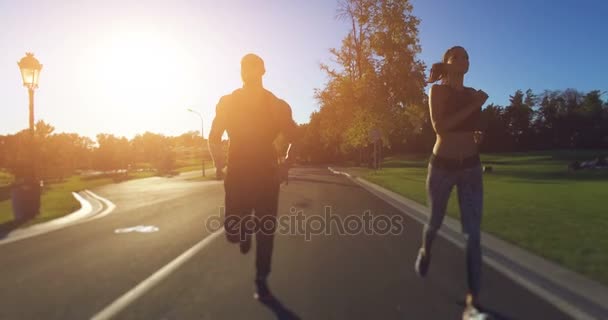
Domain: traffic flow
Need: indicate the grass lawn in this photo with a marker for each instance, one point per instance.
(530, 200)
(197, 167)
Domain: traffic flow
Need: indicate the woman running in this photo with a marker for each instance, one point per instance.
(455, 111)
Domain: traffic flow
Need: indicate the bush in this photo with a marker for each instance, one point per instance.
(5, 192)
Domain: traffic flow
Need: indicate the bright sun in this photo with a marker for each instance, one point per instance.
(140, 67)
(145, 79)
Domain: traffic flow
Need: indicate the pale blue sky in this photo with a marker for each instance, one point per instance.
(125, 67)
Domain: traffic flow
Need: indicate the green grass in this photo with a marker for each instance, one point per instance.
(197, 167)
(5, 178)
(191, 164)
(530, 200)
(57, 199)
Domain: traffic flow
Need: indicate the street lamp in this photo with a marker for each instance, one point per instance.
(30, 73)
(26, 191)
(203, 136)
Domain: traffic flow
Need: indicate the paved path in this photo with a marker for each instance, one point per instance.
(78, 271)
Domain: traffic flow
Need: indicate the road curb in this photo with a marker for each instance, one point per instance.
(86, 212)
(573, 294)
(107, 204)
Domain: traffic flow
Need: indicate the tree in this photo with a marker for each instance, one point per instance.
(43, 130)
(593, 124)
(18, 153)
(496, 136)
(376, 77)
(519, 115)
(112, 153)
(155, 149)
(63, 153)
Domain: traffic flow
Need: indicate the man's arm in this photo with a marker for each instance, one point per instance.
(215, 136)
(289, 129)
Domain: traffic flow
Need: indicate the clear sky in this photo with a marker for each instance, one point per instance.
(126, 67)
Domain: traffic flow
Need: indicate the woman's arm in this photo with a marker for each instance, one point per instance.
(438, 102)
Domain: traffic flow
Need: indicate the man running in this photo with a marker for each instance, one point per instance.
(253, 118)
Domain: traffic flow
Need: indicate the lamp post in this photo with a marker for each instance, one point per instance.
(30, 73)
(203, 136)
(26, 193)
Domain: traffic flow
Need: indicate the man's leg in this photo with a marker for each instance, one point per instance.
(234, 222)
(266, 216)
(237, 210)
(265, 242)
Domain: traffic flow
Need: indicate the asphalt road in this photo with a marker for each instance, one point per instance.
(78, 271)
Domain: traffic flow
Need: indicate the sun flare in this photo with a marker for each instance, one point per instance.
(136, 67)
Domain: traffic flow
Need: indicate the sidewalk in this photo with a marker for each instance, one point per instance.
(572, 293)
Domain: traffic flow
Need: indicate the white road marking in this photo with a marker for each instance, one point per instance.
(138, 291)
(339, 172)
(140, 229)
(109, 205)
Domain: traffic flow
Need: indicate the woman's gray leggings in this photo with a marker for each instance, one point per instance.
(468, 182)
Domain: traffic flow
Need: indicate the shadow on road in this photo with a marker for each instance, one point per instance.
(279, 310)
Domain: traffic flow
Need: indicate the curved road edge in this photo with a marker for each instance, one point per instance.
(92, 206)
